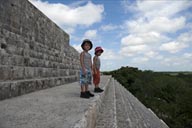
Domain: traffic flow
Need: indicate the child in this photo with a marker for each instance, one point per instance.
(96, 69)
(86, 69)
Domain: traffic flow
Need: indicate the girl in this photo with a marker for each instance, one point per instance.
(96, 69)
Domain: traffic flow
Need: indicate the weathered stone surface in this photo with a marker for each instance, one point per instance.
(61, 107)
(58, 107)
(120, 109)
(34, 52)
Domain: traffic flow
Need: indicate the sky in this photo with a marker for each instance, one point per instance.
(148, 34)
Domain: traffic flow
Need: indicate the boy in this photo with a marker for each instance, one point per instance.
(86, 69)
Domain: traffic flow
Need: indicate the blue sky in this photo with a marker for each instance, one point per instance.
(148, 34)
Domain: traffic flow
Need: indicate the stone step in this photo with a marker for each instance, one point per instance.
(57, 107)
(123, 113)
(135, 114)
(120, 109)
(107, 112)
(13, 88)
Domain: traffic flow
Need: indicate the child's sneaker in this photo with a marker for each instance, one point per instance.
(84, 95)
(90, 94)
(98, 90)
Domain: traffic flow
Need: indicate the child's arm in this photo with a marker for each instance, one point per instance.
(91, 65)
(81, 62)
(94, 66)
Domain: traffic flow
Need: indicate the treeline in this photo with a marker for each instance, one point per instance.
(169, 96)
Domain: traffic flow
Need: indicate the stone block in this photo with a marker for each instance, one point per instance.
(18, 73)
(29, 72)
(14, 89)
(5, 73)
(5, 90)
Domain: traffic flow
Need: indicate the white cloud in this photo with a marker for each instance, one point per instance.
(90, 34)
(151, 54)
(128, 5)
(173, 47)
(164, 63)
(108, 27)
(132, 50)
(140, 60)
(178, 62)
(68, 29)
(156, 8)
(164, 24)
(157, 24)
(143, 38)
(109, 54)
(185, 37)
(78, 47)
(188, 56)
(181, 42)
(71, 16)
(161, 8)
(131, 40)
(141, 43)
(149, 28)
(106, 66)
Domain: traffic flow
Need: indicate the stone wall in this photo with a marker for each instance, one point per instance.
(34, 52)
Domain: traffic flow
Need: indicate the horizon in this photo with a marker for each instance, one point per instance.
(150, 35)
(150, 70)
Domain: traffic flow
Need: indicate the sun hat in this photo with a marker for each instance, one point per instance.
(97, 49)
(86, 41)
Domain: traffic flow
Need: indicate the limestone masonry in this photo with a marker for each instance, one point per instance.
(34, 52)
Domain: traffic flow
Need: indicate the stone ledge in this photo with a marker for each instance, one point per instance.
(14, 88)
(57, 107)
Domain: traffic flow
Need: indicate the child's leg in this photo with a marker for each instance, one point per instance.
(86, 88)
(85, 80)
(87, 91)
(83, 93)
(96, 79)
(83, 88)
